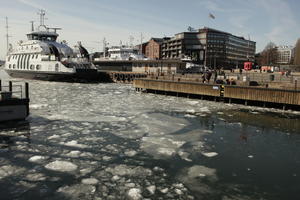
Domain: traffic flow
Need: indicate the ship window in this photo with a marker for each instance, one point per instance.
(32, 67)
(36, 56)
(9, 66)
(32, 57)
(8, 58)
(38, 67)
(14, 66)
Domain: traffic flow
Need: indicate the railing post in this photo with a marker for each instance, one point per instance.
(0, 85)
(10, 86)
(27, 90)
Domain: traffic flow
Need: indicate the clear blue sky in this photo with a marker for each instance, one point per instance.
(90, 21)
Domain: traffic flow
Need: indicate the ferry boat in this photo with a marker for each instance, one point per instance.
(124, 52)
(42, 57)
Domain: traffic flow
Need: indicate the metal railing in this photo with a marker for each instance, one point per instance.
(15, 89)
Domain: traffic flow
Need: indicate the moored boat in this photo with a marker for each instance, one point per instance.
(42, 57)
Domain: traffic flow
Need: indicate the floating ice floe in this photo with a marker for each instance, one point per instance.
(61, 166)
(79, 191)
(165, 190)
(122, 170)
(73, 154)
(36, 158)
(134, 194)
(90, 181)
(166, 151)
(38, 106)
(190, 116)
(151, 189)
(35, 177)
(184, 155)
(130, 153)
(53, 137)
(191, 111)
(209, 154)
(74, 143)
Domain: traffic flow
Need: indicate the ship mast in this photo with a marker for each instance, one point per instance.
(7, 36)
(42, 17)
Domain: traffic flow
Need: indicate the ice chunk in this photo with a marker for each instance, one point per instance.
(192, 102)
(53, 137)
(130, 153)
(35, 177)
(79, 191)
(190, 116)
(134, 194)
(210, 154)
(123, 170)
(179, 192)
(38, 106)
(151, 189)
(36, 158)
(89, 181)
(191, 111)
(62, 166)
(165, 190)
(166, 151)
(74, 143)
(73, 154)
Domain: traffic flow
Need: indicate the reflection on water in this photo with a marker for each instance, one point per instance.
(105, 141)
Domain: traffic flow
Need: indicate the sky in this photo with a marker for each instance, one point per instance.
(89, 21)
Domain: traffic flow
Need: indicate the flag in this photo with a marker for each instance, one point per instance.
(211, 16)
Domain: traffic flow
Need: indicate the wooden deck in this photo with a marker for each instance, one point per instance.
(178, 87)
(222, 92)
(291, 97)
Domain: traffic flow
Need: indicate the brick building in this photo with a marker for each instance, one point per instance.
(153, 48)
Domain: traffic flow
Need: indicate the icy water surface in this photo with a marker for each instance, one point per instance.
(106, 141)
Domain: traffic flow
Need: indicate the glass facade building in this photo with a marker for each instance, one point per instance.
(210, 47)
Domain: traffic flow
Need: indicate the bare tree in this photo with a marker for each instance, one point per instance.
(297, 53)
(269, 55)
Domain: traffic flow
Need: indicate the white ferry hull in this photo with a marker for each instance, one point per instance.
(90, 75)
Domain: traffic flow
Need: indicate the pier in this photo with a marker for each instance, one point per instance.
(122, 76)
(14, 101)
(259, 96)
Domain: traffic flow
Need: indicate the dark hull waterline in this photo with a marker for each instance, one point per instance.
(80, 76)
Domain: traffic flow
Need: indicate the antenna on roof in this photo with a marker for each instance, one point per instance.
(32, 25)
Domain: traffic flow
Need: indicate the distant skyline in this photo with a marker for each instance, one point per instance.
(89, 21)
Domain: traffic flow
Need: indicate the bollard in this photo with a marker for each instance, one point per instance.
(10, 86)
(26, 90)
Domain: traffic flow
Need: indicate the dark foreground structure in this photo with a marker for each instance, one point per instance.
(14, 102)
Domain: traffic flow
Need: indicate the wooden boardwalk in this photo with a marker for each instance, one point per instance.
(222, 92)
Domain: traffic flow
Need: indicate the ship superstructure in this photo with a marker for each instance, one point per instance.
(42, 57)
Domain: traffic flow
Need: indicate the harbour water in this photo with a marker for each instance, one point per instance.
(106, 141)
